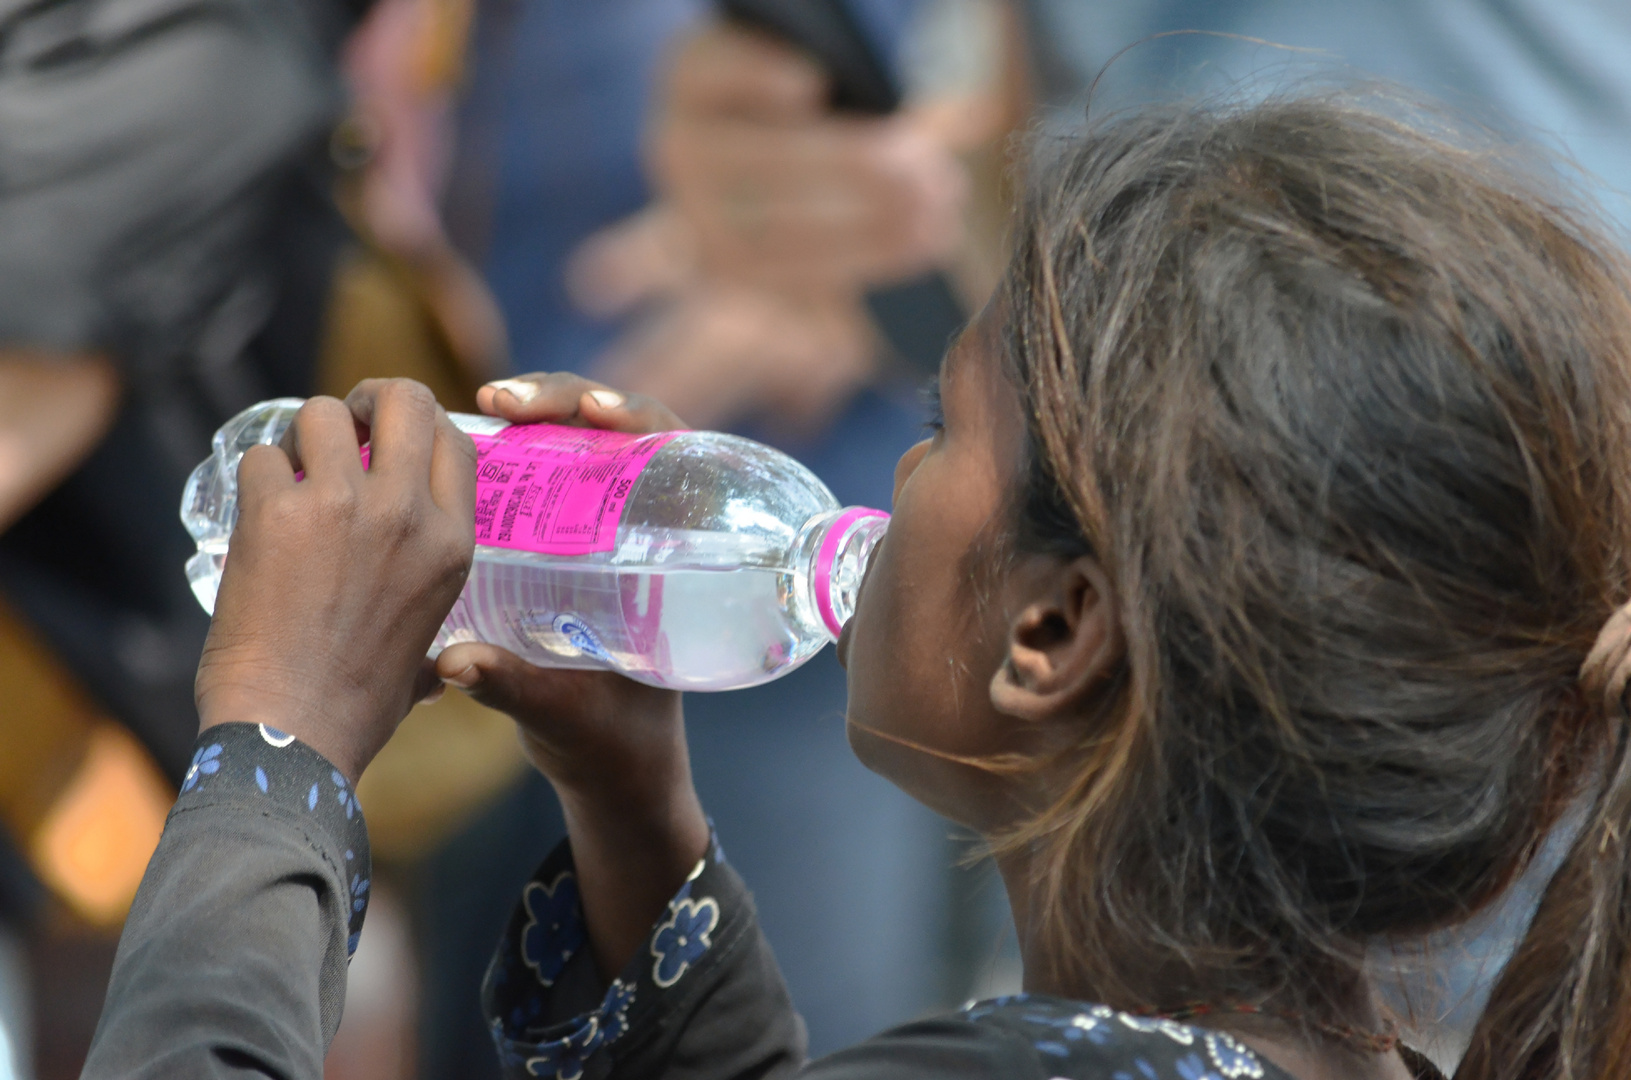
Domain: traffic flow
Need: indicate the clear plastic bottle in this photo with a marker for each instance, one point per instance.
(692, 560)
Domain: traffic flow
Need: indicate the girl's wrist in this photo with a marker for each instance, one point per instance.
(663, 820)
(631, 859)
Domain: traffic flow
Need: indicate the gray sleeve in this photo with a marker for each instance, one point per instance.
(233, 960)
(139, 142)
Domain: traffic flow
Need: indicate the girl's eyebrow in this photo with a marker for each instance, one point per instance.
(954, 349)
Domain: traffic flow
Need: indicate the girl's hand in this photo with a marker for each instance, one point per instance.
(336, 584)
(564, 398)
(614, 749)
(597, 735)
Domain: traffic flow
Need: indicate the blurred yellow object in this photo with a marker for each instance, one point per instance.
(448, 759)
(45, 723)
(94, 844)
(445, 762)
(379, 325)
(437, 61)
(82, 797)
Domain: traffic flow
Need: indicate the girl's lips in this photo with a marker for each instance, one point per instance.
(842, 647)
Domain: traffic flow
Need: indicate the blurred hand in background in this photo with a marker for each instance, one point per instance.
(718, 347)
(54, 408)
(774, 215)
(779, 189)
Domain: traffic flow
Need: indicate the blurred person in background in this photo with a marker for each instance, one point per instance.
(548, 154)
(170, 252)
(758, 181)
(162, 238)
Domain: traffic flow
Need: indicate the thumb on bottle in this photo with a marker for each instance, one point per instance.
(497, 678)
(460, 665)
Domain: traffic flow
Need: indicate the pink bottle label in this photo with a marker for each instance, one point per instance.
(552, 489)
(557, 490)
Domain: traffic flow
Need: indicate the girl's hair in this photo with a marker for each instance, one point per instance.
(1343, 409)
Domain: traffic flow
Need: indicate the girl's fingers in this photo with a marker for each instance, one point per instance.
(400, 415)
(565, 398)
(262, 470)
(633, 413)
(453, 472)
(561, 706)
(413, 437)
(427, 686)
(542, 397)
(497, 678)
(323, 439)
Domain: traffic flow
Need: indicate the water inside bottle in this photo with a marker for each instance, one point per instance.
(689, 629)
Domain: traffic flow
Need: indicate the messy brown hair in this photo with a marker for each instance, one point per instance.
(1343, 409)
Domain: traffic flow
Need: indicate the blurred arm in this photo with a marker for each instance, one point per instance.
(54, 409)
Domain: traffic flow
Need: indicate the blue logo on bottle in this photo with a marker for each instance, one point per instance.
(576, 635)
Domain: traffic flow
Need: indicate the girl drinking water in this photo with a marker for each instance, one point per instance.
(1254, 597)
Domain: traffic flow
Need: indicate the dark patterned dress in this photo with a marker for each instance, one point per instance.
(233, 960)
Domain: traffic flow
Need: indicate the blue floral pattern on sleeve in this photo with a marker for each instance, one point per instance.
(682, 938)
(257, 766)
(538, 971)
(554, 930)
(545, 936)
(206, 762)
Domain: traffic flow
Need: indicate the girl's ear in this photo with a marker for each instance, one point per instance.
(1064, 640)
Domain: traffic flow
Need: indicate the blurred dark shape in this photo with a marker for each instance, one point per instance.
(175, 217)
(166, 216)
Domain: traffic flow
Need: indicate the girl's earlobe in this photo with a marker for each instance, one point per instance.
(1011, 696)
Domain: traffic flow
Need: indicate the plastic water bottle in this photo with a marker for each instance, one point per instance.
(691, 559)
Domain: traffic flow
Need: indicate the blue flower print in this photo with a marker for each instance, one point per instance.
(359, 892)
(1054, 1048)
(1182, 1034)
(683, 938)
(979, 1010)
(311, 798)
(554, 929)
(563, 1059)
(1091, 1025)
(260, 779)
(351, 944)
(1191, 1067)
(1232, 1059)
(206, 762)
(344, 795)
(614, 1009)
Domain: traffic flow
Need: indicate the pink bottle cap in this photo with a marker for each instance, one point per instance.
(828, 555)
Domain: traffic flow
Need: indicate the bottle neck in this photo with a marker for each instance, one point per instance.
(840, 562)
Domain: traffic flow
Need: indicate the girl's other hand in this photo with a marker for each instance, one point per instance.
(336, 584)
(614, 749)
(597, 736)
(563, 398)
